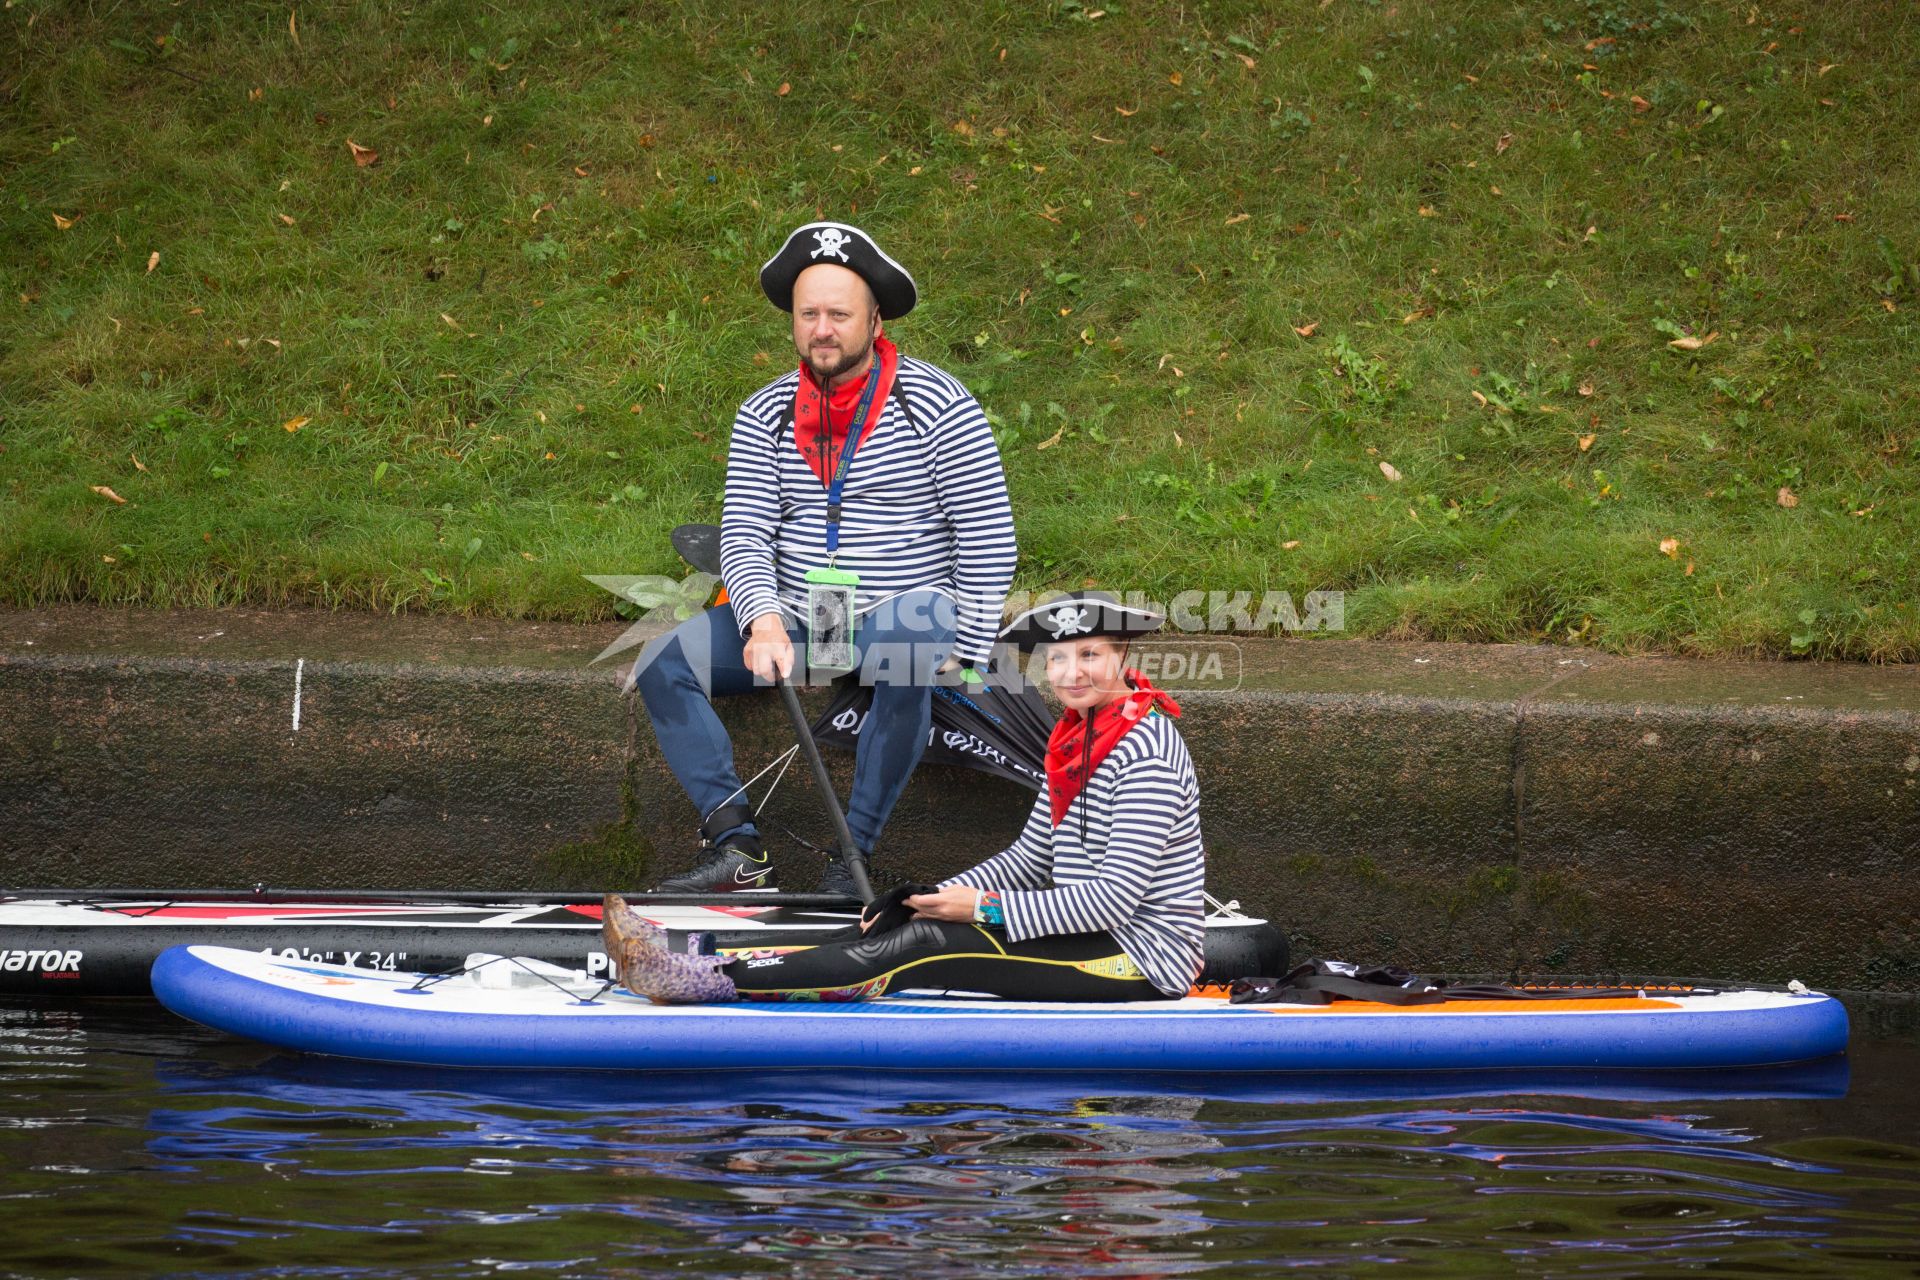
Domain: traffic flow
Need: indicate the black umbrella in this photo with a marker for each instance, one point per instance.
(999, 726)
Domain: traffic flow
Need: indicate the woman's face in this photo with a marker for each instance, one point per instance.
(1087, 673)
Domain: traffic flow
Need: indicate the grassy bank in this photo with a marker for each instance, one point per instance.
(1210, 267)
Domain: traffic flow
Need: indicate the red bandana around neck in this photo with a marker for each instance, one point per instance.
(820, 436)
(1072, 756)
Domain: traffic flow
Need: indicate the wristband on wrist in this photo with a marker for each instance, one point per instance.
(987, 908)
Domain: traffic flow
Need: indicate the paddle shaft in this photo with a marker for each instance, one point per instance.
(850, 853)
(699, 546)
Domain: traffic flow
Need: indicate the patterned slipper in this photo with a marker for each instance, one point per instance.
(648, 969)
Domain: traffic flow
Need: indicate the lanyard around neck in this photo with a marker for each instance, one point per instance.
(855, 429)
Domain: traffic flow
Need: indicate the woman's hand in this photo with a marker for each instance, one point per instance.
(955, 902)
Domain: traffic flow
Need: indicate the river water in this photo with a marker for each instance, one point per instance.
(132, 1142)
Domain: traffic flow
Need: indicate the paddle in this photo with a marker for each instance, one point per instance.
(699, 546)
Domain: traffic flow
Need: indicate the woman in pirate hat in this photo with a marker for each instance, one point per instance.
(1100, 897)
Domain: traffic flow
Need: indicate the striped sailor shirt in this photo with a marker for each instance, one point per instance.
(1139, 874)
(924, 506)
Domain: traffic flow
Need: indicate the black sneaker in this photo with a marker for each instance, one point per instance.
(732, 868)
(836, 879)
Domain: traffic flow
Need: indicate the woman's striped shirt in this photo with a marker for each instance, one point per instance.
(1139, 874)
(925, 505)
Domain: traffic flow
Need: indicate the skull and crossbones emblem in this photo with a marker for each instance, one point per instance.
(831, 240)
(1069, 622)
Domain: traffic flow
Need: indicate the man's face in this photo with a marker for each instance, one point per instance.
(834, 320)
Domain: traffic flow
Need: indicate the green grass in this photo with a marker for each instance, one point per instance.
(513, 374)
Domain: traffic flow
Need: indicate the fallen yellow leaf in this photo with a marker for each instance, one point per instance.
(1504, 141)
(1692, 343)
(1388, 470)
(450, 322)
(1174, 79)
(1640, 104)
(1586, 388)
(65, 224)
(1123, 111)
(783, 90)
(109, 560)
(153, 260)
(286, 219)
(1306, 330)
(1586, 442)
(1670, 548)
(1786, 498)
(1051, 440)
(294, 424)
(1478, 398)
(1288, 546)
(105, 492)
(362, 156)
(137, 464)
(1238, 218)
(1427, 211)
(293, 26)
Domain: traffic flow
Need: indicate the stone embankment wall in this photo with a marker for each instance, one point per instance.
(1451, 808)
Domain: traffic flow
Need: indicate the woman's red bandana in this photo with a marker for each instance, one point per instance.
(823, 455)
(1070, 760)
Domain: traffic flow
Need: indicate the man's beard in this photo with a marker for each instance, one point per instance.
(834, 369)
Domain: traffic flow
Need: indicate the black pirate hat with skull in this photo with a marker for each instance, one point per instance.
(1078, 617)
(840, 245)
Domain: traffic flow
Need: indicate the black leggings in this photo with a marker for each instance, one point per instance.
(939, 955)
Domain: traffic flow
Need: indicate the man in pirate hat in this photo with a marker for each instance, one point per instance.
(865, 526)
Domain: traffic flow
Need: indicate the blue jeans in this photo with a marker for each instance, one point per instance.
(899, 644)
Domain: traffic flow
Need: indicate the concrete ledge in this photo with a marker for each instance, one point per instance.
(1451, 808)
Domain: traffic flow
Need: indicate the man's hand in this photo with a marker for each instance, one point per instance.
(768, 650)
(955, 902)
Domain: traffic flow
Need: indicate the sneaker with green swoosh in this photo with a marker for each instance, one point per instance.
(732, 868)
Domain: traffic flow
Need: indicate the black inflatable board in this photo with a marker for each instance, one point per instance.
(63, 946)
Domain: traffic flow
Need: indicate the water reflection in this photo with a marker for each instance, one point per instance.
(127, 1138)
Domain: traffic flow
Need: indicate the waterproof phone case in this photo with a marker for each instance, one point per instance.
(830, 619)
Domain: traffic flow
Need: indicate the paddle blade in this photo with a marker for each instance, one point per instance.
(699, 546)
